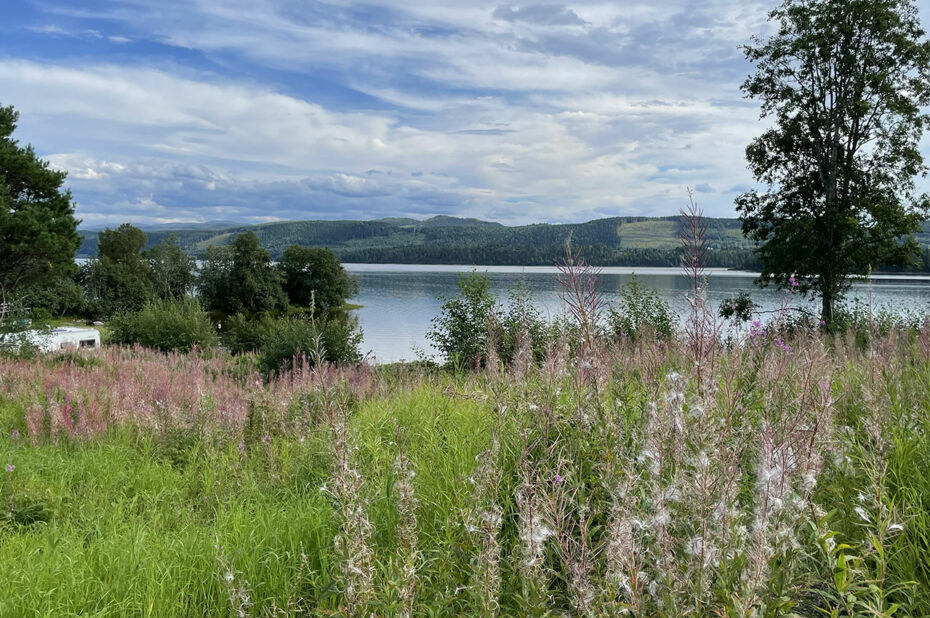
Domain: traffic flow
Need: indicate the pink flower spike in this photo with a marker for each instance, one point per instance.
(10, 467)
(558, 478)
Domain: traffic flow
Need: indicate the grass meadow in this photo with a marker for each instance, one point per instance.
(777, 475)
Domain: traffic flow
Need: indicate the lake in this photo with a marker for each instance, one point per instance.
(399, 301)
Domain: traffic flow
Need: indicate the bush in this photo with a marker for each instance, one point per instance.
(641, 309)
(870, 323)
(166, 326)
(14, 326)
(740, 307)
(522, 315)
(334, 341)
(17, 345)
(460, 331)
(241, 334)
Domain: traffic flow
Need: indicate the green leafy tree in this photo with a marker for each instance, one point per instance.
(641, 310)
(171, 269)
(460, 331)
(314, 276)
(843, 83)
(57, 298)
(38, 230)
(240, 278)
(119, 280)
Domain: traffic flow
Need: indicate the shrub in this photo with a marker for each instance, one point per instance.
(641, 308)
(521, 315)
(741, 307)
(166, 326)
(17, 345)
(869, 323)
(460, 331)
(241, 334)
(334, 341)
(14, 326)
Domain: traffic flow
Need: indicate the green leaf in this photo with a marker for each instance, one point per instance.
(839, 573)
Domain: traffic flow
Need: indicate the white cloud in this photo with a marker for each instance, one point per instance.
(518, 111)
(483, 155)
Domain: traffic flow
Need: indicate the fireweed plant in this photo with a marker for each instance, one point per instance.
(643, 476)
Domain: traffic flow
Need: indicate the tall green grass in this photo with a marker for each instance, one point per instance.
(533, 488)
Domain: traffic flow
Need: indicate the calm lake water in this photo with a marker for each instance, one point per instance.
(399, 301)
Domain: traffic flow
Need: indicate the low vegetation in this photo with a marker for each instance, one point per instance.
(166, 326)
(650, 474)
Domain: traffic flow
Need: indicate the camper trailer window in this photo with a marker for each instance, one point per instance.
(88, 343)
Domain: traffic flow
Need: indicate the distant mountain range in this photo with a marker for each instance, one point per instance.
(615, 241)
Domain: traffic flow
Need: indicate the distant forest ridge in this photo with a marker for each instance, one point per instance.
(615, 241)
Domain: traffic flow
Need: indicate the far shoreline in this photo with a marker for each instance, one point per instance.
(607, 270)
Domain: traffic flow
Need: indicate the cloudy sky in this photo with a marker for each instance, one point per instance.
(259, 110)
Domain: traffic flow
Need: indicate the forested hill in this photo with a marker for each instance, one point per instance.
(617, 241)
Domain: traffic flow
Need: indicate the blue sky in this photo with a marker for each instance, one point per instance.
(260, 110)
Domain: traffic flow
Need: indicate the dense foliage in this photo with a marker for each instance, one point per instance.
(641, 311)
(310, 342)
(62, 296)
(171, 270)
(240, 278)
(278, 341)
(846, 85)
(38, 230)
(147, 293)
(313, 277)
(165, 325)
(119, 280)
(460, 331)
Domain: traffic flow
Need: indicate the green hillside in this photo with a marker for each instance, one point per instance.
(616, 241)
